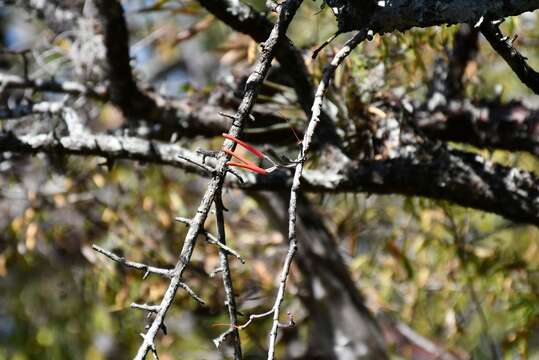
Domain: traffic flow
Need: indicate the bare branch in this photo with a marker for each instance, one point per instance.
(296, 182)
(252, 87)
(177, 116)
(230, 300)
(192, 293)
(218, 341)
(107, 146)
(134, 265)
(168, 273)
(401, 15)
(253, 317)
(465, 48)
(504, 47)
(123, 89)
(453, 176)
(245, 19)
(512, 126)
(145, 307)
(8, 81)
(461, 177)
(213, 240)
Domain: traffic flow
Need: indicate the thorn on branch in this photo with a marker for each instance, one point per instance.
(164, 328)
(207, 153)
(212, 239)
(146, 307)
(216, 271)
(237, 175)
(324, 44)
(233, 117)
(291, 323)
(209, 170)
(219, 340)
(183, 220)
(192, 294)
(479, 22)
(134, 265)
(154, 351)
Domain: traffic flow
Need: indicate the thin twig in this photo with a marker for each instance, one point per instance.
(307, 140)
(254, 317)
(230, 301)
(145, 307)
(134, 265)
(168, 273)
(192, 293)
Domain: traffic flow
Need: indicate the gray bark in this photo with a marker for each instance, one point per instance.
(390, 15)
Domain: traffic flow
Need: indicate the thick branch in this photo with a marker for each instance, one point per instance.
(463, 178)
(465, 48)
(8, 81)
(123, 89)
(401, 15)
(512, 126)
(460, 177)
(185, 117)
(107, 146)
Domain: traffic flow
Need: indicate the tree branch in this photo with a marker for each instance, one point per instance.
(123, 89)
(401, 15)
(107, 146)
(465, 48)
(287, 11)
(187, 118)
(134, 265)
(463, 178)
(8, 81)
(243, 18)
(460, 177)
(230, 300)
(512, 126)
(504, 47)
(296, 182)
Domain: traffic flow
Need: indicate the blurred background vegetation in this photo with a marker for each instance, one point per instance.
(461, 277)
